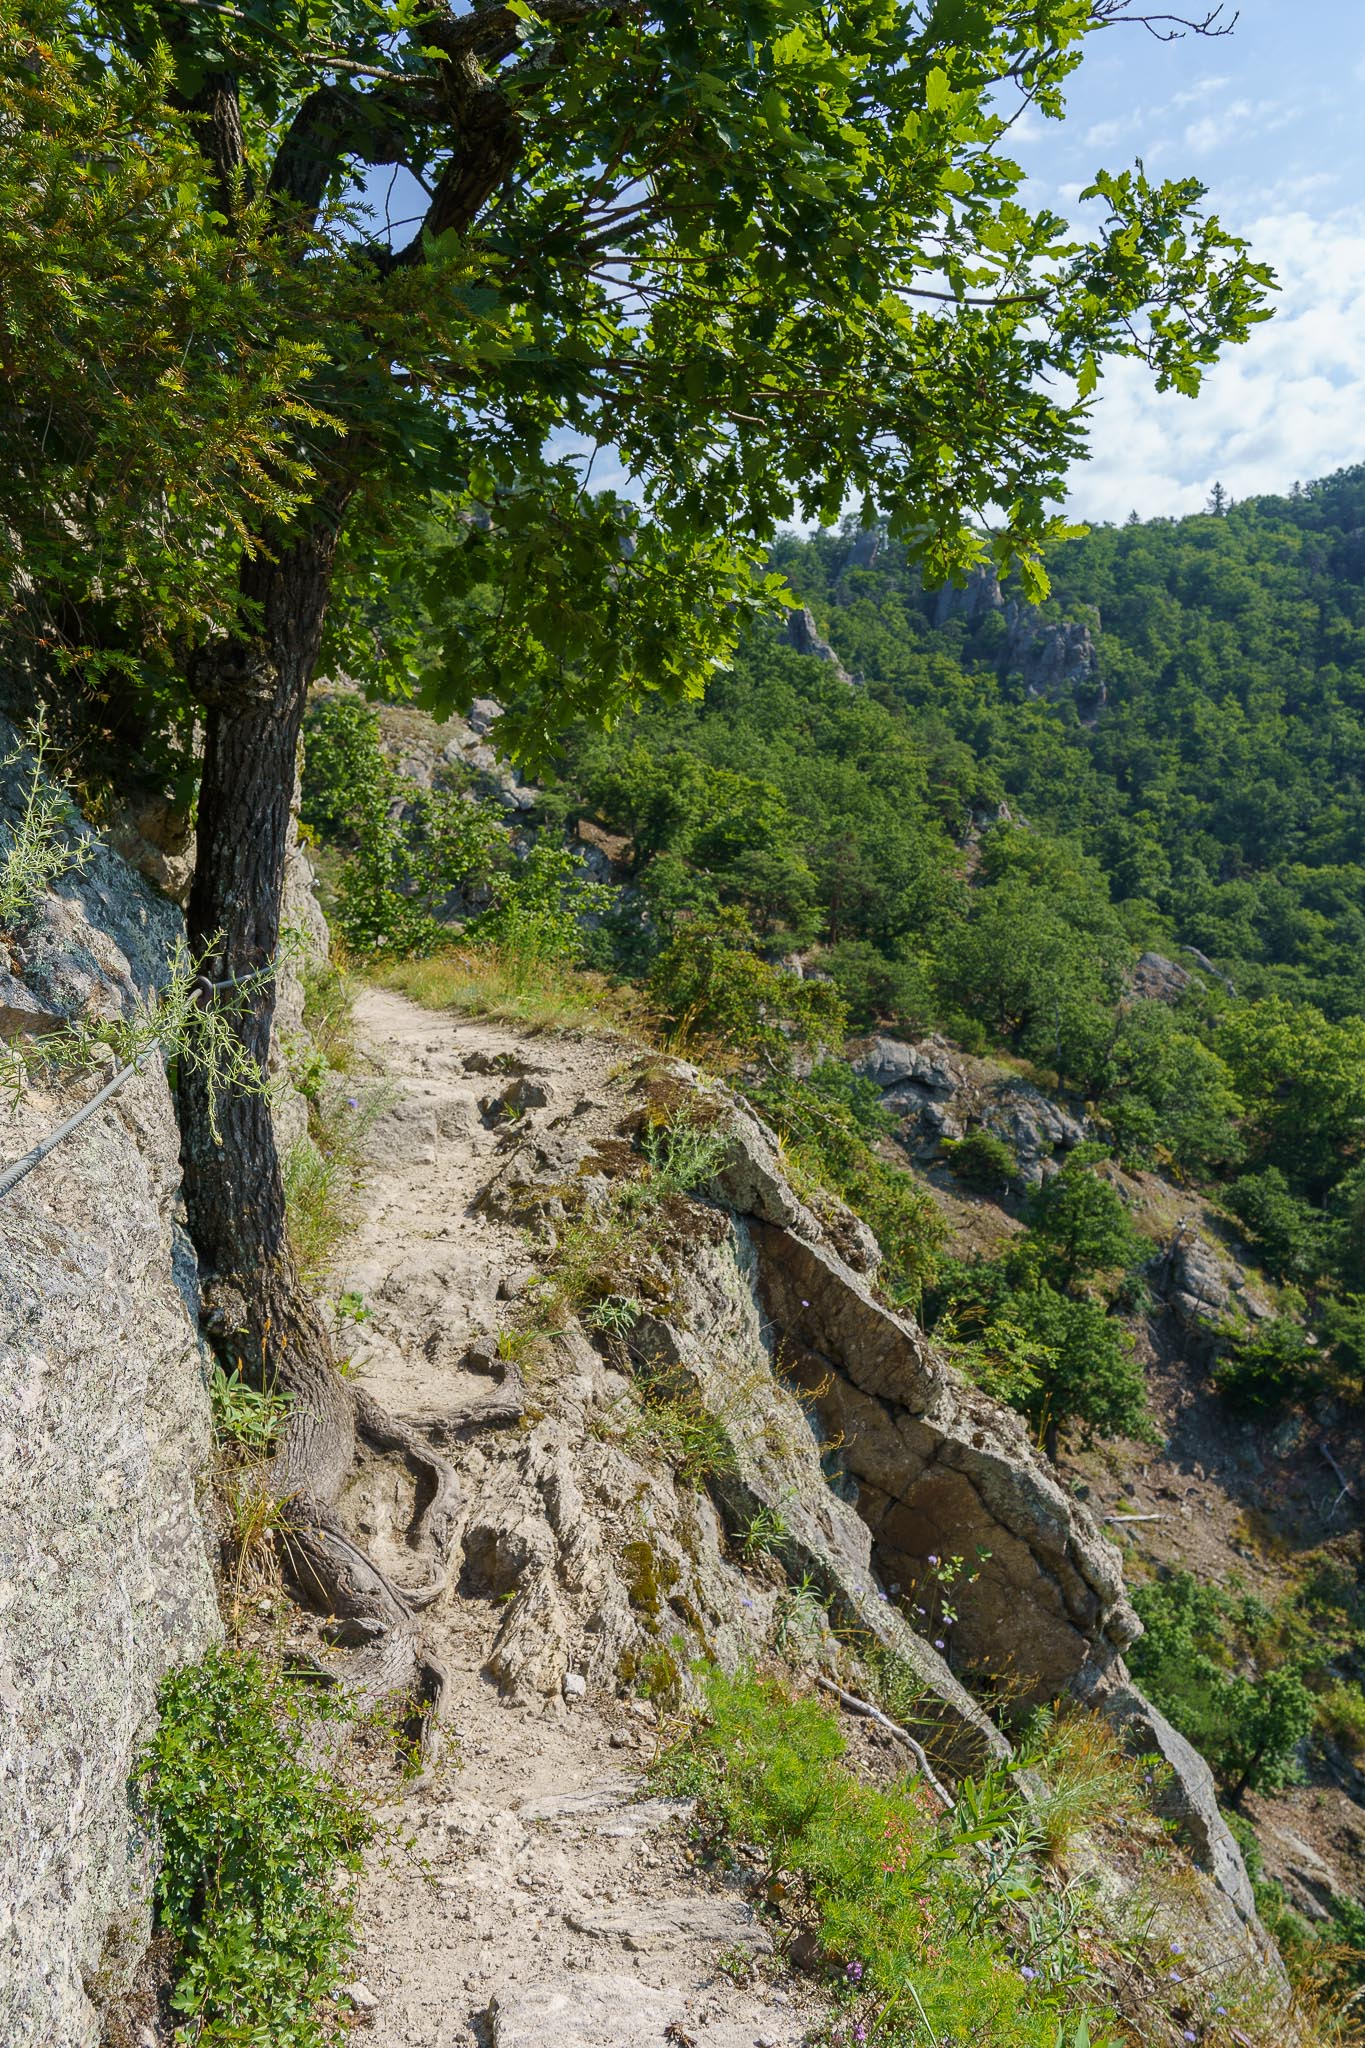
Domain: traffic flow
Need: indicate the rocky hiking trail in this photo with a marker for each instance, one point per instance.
(533, 1895)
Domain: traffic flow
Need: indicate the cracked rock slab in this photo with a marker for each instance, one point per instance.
(584, 2011)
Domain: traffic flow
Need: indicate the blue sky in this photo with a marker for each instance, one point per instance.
(1272, 120)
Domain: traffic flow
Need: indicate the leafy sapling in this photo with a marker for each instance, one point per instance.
(36, 847)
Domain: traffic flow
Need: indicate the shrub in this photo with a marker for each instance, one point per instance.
(911, 1927)
(711, 985)
(1266, 1369)
(254, 1834)
(36, 849)
(1341, 1715)
(1287, 1232)
(983, 1161)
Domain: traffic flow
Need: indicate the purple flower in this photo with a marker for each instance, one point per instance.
(932, 1558)
(352, 1102)
(1220, 2010)
(1176, 1947)
(860, 2032)
(1027, 1974)
(1176, 1977)
(1188, 2036)
(805, 1304)
(854, 1972)
(938, 1642)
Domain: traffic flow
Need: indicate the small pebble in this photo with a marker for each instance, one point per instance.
(361, 1997)
(575, 1685)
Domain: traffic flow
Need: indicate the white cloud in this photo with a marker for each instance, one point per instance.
(1202, 90)
(1291, 403)
(1236, 122)
(1105, 132)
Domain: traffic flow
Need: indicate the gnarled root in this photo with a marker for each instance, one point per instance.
(368, 1616)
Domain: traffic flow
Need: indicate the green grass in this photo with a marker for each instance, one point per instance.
(256, 1841)
(907, 1911)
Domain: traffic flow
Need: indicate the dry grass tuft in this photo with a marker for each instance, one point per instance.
(540, 995)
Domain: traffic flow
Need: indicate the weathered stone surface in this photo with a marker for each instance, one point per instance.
(583, 2011)
(1155, 979)
(750, 1179)
(100, 938)
(1310, 1882)
(941, 1471)
(805, 637)
(938, 1092)
(1189, 1797)
(726, 1922)
(104, 1430)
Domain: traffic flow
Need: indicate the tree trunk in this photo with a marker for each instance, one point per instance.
(254, 686)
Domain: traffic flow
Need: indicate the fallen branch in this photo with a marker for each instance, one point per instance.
(866, 1708)
(1135, 1518)
(1346, 1486)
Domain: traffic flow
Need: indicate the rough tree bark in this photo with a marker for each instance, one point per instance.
(254, 688)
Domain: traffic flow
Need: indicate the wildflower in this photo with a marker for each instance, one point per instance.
(932, 1558)
(1027, 1974)
(860, 2033)
(1176, 1977)
(938, 1642)
(805, 1303)
(1221, 2010)
(1176, 1947)
(352, 1102)
(1188, 2036)
(854, 1972)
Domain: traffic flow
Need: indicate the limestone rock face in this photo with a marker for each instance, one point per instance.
(1190, 1797)
(104, 1430)
(940, 1093)
(941, 1472)
(805, 637)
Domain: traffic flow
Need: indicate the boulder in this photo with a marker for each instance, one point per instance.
(1155, 979)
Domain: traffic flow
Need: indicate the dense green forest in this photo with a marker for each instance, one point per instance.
(957, 849)
(977, 824)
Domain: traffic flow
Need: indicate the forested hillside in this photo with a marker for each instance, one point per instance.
(1005, 807)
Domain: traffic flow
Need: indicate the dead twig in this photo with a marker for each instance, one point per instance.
(871, 1713)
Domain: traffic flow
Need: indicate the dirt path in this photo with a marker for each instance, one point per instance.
(544, 1902)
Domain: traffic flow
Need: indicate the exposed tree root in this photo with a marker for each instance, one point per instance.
(369, 1617)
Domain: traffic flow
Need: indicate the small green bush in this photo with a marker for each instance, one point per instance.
(1271, 1366)
(983, 1161)
(254, 1835)
(912, 1927)
(712, 987)
(1341, 1715)
(37, 847)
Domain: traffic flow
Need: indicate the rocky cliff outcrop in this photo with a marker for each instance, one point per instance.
(1056, 658)
(804, 636)
(104, 1433)
(938, 1093)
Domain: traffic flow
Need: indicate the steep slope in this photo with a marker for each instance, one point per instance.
(595, 1568)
